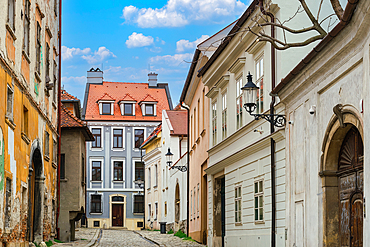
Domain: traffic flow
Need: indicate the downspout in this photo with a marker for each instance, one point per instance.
(59, 113)
(272, 129)
(141, 160)
(188, 173)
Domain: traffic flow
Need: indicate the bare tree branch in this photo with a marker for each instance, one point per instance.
(312, 18)
(337, 8)
(318, 12)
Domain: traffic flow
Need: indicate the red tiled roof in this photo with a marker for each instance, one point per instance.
(68, 120)
(148, 98)
(127, 97)
(117, 90)
(67, 96)
(179, 122)
(106, 97)
(153, 134)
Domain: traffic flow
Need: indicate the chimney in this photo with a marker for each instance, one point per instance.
(95, 76)
(152, 79)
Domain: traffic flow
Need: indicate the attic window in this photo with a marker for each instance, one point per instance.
(149, 109)
(106, 108)
(128, 108)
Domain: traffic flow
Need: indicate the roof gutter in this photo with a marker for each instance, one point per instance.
(347, 15)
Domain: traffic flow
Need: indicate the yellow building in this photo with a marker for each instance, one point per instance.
(28, 120)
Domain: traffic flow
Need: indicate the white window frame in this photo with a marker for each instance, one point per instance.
(101, 138)
(198, 198)
(122, 107)
(224, 115)
(214, 120)
(259, 76)
(239, 97)
(101, 202)
(133, 202)
(149, 211)
(156, 210)
(133, 137)
(10, 115)
(123, 172)
(238, 200)
(102, 170)
(143, 111)
(111, 102)
(133, 160)
(259, 194)
(123, 139)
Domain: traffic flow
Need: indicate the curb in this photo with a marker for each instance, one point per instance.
(95, 239)
(151, 240)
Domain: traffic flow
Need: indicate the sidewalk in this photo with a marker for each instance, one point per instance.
(166, 240)
(85, 237)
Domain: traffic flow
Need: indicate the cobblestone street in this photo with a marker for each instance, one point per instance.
(86, 237)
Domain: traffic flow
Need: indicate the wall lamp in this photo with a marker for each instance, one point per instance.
(169, 157)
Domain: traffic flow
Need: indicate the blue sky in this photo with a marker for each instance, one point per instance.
(125, 38)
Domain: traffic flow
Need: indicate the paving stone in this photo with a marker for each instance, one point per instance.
(122, 238)
(167, 240)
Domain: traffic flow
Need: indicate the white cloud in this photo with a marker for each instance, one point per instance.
(139, 40)
(174, 60)
(74, 79)
(183, 44)
(101, 54)
(178, 13)
(68, 53)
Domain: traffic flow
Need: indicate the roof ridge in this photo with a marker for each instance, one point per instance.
(71, 115)
(148, 96)
(64, 92)
(128, 96)
(106, 94)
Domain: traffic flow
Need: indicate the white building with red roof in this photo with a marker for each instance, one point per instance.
(120, 115)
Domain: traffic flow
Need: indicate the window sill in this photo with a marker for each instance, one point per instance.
(46, 158)
(10, 122)
(203, 133)
(96, 181)
(198, 140)
(118, 149)
(238, 224)
(11, 31)
(96, 213)
(25, 55)
(118, 181)
(54, 164)
(259, 222)
(138, 214)
(194, 146)
(64, 180)
(25, 138)
(38, 78)
(96, 149)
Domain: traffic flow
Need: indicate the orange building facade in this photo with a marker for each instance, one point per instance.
(28, 120)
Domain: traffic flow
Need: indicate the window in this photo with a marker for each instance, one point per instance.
(38, 48)
(203, 108)
(139, 137)
(139, 170)
(11, 14)
(194, 202)
(224, 116)
(214, 123)
(128, 109)
(258, 200)
(118, 171)
(25, 121)
(259, 83)
(117, 138)
(118, 199)
(139, 224)
(238, 204)
(97, 135)
(96, 223)
(106, 108)
(195, 125)
(9, 106)
(55, 81)
(55, 151)
(156, 211)
(149, 110)
(149, 178)
(96, 170)
(165, 209)
(46, 143)
(26, 24)
(239, 103)
(149, 211)
(139, 204)
(62, 166)
(47, 67)
(191, 204)
(198, 118)
(8, 200)
(198, 202)
(96, 204)
(156, 175)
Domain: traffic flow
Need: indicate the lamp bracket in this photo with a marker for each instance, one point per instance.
(276, 119)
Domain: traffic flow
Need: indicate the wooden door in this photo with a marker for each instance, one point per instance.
(350, 187)
(117, 215)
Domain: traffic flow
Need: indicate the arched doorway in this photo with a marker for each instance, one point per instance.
(35, 194)
(342, 179)
(350, 188)
(177, 203)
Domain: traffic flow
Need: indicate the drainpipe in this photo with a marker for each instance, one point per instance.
(59, 113)
(272, 129)
(141, 160)
(188, 173)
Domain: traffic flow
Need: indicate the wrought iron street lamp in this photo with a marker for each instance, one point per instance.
(139, 183)
(169, 157)
(250, 98)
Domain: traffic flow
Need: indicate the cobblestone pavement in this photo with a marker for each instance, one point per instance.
(84, 237)
(167, 240)
(118, 238)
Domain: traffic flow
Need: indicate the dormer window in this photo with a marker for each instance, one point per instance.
(127, 105)
(148, 106)
(106, 105)
(149, 109)
(106, 108)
